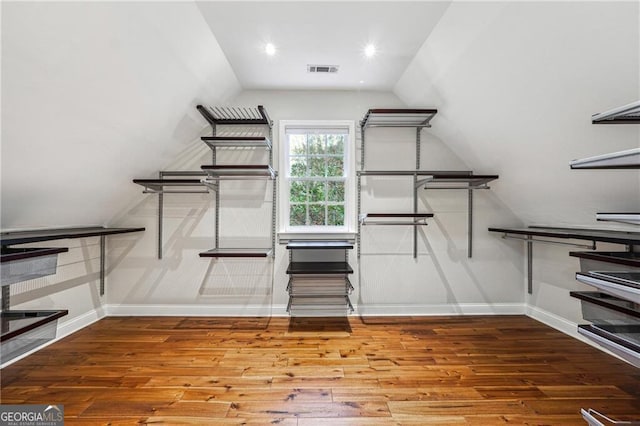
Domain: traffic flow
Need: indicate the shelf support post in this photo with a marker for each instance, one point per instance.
(6, 298)
(529, 264)
(359, 208)
(103, 262)
(470, 225)
(160, 218)
(415, 193)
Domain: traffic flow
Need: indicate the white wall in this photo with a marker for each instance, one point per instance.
(516, 84)
(442, 280)
(93, 95)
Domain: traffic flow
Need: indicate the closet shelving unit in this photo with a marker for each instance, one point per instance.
(616, 276)
(418, 119)
(319, 287)
(23, 330)
(216, 173)
(209, 178)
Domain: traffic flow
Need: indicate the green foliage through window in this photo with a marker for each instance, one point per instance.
(317, 179)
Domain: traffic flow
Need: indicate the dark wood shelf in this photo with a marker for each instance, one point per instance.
(237, 252)
(37, 235)
(606, 301)
(416, 218)
(234, 115)
(159, 185)
(250, 171)
(626, 258)
(399, 117)
(603, 235)
(236, 142)
(319, 244)
(15, 323)
(303, 268)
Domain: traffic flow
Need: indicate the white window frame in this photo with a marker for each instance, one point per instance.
(349, 169)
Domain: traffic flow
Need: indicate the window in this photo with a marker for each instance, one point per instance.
(317, 176)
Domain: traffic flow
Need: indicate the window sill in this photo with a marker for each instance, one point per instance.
(285, 237)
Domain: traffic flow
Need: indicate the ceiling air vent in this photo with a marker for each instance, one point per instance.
(322, 68)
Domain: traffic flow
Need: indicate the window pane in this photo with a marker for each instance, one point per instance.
(297, 215)
(317, 191)
(317, 144)
(297, 144)
(316, 214)
(298, 166)
(317, 167)
(335, 191)
(298, 191)
(335, 215)
(335, 166)
(335, 144)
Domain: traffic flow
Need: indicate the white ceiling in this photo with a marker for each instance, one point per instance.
(322, 33)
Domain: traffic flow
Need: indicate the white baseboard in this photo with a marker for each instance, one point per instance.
(64, 329)
(280, 310)
(197, 310)
(442, 309)
(554, 321)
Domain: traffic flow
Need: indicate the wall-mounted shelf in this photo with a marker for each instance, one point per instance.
(26, 330)
(410, 219)
(319, 244)
(237, 142)
(225, 115)
(562, 234)
(627, 114)
(628, 159)
(237, 252)
(319, 268)
(630, 218)
(607, 336)
(620, 284)
(402, 117)
(22, 264)
(626, 258)
(235, 172)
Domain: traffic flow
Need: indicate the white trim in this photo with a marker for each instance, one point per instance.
(64, 329)
(554, 321)
(350, 171)
(442, 309)
(234, 310)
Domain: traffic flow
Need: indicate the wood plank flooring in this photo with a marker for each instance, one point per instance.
(356, 371)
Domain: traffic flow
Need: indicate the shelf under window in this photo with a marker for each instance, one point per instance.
(631, 218)
(629, 159)
(313, 306)
(237, 252)
(234, 115)
(319, 244)
(398, 118)
(23, 331)
(621, 284)
(236, 142)
(234, 172)
(410, 219)
(629, 113)
(319, 268)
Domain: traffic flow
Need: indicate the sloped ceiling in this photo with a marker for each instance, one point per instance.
(516, 84)
(95, 94)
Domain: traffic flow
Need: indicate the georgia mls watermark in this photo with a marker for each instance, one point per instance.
(31, 415)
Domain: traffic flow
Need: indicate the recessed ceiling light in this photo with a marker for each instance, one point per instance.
(369, 50)
(270, 49)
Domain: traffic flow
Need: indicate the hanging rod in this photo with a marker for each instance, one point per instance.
(536, 240)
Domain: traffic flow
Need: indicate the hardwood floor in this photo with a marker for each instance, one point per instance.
(360, 371)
